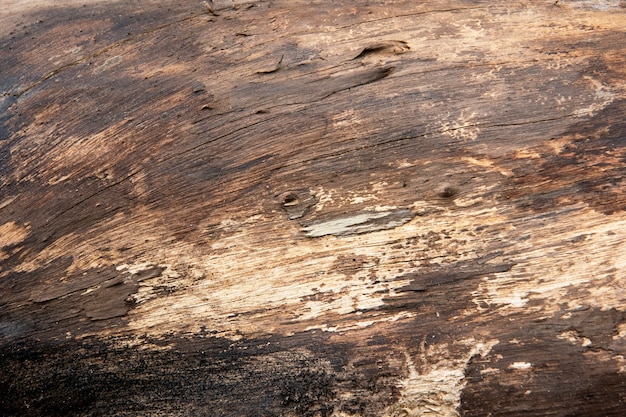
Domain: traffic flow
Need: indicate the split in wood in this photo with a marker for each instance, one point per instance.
(388, 47)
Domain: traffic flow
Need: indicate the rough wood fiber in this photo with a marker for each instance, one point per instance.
(294, 208)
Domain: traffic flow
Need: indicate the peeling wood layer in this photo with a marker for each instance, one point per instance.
(312, 208)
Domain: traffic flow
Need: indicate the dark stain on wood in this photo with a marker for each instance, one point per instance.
(587, 169)
(457, 272)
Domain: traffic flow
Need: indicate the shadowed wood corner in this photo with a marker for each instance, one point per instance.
(290, 208)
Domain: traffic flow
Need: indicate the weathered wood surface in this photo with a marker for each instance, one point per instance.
(364, 208)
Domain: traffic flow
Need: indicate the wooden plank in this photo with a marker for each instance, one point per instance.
(388, 208)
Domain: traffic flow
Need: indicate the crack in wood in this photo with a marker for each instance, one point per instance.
(390, 47)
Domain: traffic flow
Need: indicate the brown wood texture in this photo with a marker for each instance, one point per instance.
(307, 208)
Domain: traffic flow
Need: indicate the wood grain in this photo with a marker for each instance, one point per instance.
(366, 208)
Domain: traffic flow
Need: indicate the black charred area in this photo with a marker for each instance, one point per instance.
(308, 374)
(203, 375)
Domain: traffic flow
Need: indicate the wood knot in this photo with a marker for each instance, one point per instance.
(297, 203)
(447, 191)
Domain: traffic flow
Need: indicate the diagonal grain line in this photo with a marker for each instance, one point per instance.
(395, 16)
(434, 132)
(94, 55)
(100, 191)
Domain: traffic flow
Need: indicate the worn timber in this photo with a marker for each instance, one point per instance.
(312, 208)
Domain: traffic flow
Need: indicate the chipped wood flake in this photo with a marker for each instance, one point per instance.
(359, 223)
(520, 366)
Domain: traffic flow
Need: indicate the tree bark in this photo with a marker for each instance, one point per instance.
(290, 208)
